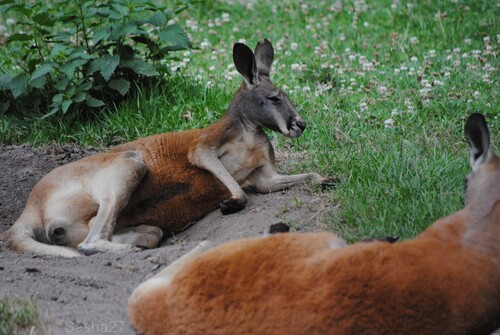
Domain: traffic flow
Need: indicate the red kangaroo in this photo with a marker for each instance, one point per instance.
(445, 281)
(133, 194)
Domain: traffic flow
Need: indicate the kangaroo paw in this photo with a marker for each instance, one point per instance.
(232, 205)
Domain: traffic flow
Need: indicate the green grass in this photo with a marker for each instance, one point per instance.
(19, 316)
(348, 69)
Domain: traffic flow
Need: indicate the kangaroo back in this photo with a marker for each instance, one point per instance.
(445, 281)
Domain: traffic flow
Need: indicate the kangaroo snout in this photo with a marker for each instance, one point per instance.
(301, 124)
(296, 128)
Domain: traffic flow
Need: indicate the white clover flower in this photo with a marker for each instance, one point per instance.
(468, 41)
(236, 29)
(294, 46)
(366, 24)
(368, 67)
(10, 21)
(205, 44)
(414, 40)
(486, 40)
(226, 17)
(295, 67)
(306, 89)
(414, 59)
(211, 68)
(3, 29)
(363, 106)
(394, 113)
(432, 53)
(382, 89)
(476, 94)
(389, 123)
(342, 37)
(437, 83)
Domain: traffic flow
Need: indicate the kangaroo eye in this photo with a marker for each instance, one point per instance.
(274, 98)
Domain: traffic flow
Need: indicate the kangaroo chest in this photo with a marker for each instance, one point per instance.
(242, 156)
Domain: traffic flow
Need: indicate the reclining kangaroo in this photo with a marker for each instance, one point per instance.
(445, 281)
(137, 191)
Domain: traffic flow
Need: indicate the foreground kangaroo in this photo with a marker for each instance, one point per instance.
(445, 281)
(137, 191)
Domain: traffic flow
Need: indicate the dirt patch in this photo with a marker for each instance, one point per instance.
(89, 295)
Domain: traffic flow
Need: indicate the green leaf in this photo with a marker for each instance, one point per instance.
(42, 71)
(100, 35)
(139, 67)
(38, 82)
(43, 19)
(57, 99)
(4, 106)
(52, 112)
(4, 82)
(61, 84)
(20, 37)
(69, 68)
(65, 105)
(59, 49)
(93, 102)
(106, 65)
(79, 97)
(80, 53)
(121, 85)
(175, 35)
(18, 85)
(158, 19)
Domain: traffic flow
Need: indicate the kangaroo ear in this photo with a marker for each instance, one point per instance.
(478, 136)
(264, 55)
(244, 60)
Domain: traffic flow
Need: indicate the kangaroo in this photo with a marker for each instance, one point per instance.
(136, 192)
(445, 281)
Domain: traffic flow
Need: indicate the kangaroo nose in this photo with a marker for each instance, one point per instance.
(301, 124)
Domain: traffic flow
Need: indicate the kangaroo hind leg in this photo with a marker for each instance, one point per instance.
(143, 236)
(112, 187)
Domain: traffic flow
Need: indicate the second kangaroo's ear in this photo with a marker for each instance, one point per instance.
(264, 55)
(244, 60)
(478, 136)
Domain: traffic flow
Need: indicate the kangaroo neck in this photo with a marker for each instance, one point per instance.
(239, 118)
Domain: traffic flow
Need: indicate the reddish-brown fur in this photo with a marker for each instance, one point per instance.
(445, 281)
(177, 193)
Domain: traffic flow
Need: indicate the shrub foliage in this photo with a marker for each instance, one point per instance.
(69, 54)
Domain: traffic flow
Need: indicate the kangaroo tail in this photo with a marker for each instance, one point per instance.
(22, 237)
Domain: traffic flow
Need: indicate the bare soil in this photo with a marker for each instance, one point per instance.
(88, 295)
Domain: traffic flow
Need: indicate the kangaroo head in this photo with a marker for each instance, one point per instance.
(258, 103)
(483, 182)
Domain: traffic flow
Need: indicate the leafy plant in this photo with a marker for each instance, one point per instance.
(20, 316)
(67, 54)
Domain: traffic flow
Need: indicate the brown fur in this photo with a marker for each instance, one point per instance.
(445, 281)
